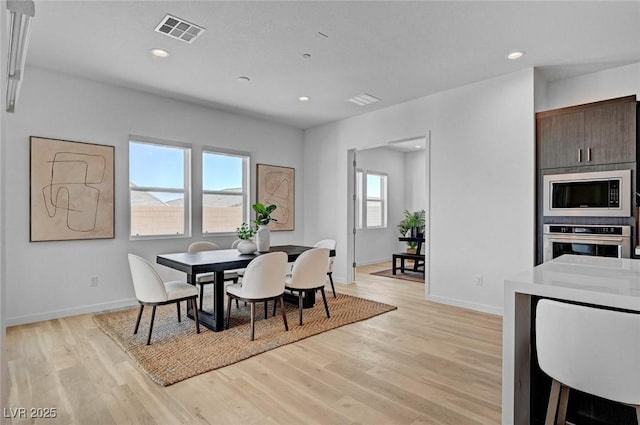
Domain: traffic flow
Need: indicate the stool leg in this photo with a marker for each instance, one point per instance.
(253, 319)
(153, 316)
(333, 289)
(179, 315)
(552, 408)
(201, 295)
(194, 305)
(284, 315)
(139, 317)
(562, 407)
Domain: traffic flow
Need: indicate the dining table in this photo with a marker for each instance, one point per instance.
(217, 262)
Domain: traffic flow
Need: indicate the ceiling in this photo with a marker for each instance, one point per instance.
(393, 50)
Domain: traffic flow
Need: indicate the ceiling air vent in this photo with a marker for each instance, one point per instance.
(179, 29)
(363, 99)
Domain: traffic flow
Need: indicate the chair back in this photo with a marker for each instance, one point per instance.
(202, 246)
(329, 244)
(310, 269)
(264, 276)
(147, 283)
(590, 349)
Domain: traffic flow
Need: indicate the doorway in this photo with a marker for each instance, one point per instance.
(384, 181)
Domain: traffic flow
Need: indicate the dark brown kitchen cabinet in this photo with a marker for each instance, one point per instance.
(592, 134)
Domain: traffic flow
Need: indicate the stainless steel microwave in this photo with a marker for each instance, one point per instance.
(602, 193)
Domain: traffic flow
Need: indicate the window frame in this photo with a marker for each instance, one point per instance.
(187, 149)
(246, 185)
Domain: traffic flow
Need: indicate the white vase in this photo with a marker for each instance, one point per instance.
(247, 246)
(263, 238)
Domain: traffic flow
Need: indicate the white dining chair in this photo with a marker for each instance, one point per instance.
(209, 278)
(309, 274)
(263, 281)
(151, 290)
(589, 349)
(331, 245)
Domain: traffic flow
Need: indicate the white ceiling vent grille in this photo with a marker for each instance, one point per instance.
(363, 99)
(179, 29)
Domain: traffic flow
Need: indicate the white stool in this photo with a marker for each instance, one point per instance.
(589, 349)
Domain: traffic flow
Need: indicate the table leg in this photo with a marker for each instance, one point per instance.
(214, 321)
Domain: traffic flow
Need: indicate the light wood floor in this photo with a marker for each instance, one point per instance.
(424, 363)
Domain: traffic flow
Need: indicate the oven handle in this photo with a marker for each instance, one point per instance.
(584, 238)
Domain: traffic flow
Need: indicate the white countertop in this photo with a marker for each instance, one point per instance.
(611, 282)
(608, 282)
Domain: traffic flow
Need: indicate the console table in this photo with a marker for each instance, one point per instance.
(402, 256)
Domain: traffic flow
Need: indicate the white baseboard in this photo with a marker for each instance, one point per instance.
(32, 318)
(466, 304)
(368, 262)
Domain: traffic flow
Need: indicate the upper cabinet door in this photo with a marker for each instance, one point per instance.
(610, 133)
(592, 134)
(560, 140)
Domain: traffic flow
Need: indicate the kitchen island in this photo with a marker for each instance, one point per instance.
(598, 281)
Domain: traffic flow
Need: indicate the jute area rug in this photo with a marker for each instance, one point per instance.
(407, 275)
(177, 352)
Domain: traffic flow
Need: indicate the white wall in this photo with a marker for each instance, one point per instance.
(51, 279)
(481, 178)
(415, 179)
(609, 84)
(377, 245)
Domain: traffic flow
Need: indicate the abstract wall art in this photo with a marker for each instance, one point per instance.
(276, 185)
(72, 190)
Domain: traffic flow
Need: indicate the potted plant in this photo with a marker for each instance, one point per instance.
(412, 225)
(263, 218)
(263, 213)
(245, 232)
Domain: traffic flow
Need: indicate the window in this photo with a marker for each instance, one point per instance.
(371, 199)
(376, 194)
(159, 189)
(224, 191)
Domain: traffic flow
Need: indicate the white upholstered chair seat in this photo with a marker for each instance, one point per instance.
(263, 281)
(210, 277)
(177, 289)
(331, 245)
(309, 274)
(151, 290)
(235, 289)
(589, 349)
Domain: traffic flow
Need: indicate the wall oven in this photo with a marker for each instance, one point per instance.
(593, 240)
(602, 194)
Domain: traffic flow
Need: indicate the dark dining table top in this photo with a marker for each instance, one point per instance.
(222, 259)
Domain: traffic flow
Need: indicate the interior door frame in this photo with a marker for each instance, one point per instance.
(351, 210)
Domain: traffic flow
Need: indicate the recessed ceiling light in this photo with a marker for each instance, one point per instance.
(244, 79)
(304, 98)
(418, 146)
(161, 53)
(515, 55)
